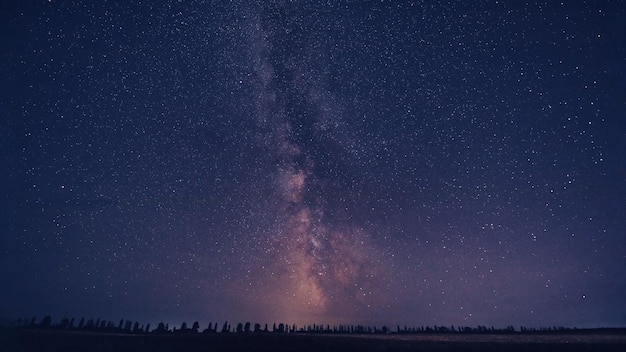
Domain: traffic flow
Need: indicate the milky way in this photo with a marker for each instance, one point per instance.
(320, 267)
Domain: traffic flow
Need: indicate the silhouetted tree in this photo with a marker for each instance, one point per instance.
(257, 327)
(65, 322)
(226, 327)
(195, 326)
(45, 322)
(161, 329)
(246, 328)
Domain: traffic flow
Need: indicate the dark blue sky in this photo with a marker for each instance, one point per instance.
(392, 163)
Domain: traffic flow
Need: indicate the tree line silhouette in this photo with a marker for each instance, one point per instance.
(134, 327)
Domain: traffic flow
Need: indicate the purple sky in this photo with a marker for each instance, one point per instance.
(393, 162)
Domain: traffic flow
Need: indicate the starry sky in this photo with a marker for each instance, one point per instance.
(366, 162)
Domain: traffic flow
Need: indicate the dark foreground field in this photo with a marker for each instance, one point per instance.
(30, 340)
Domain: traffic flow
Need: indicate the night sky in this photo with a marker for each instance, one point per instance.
(385, 162)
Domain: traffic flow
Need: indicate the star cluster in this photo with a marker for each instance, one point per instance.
(389, 162)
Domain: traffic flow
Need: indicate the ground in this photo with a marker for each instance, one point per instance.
(50, 341)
